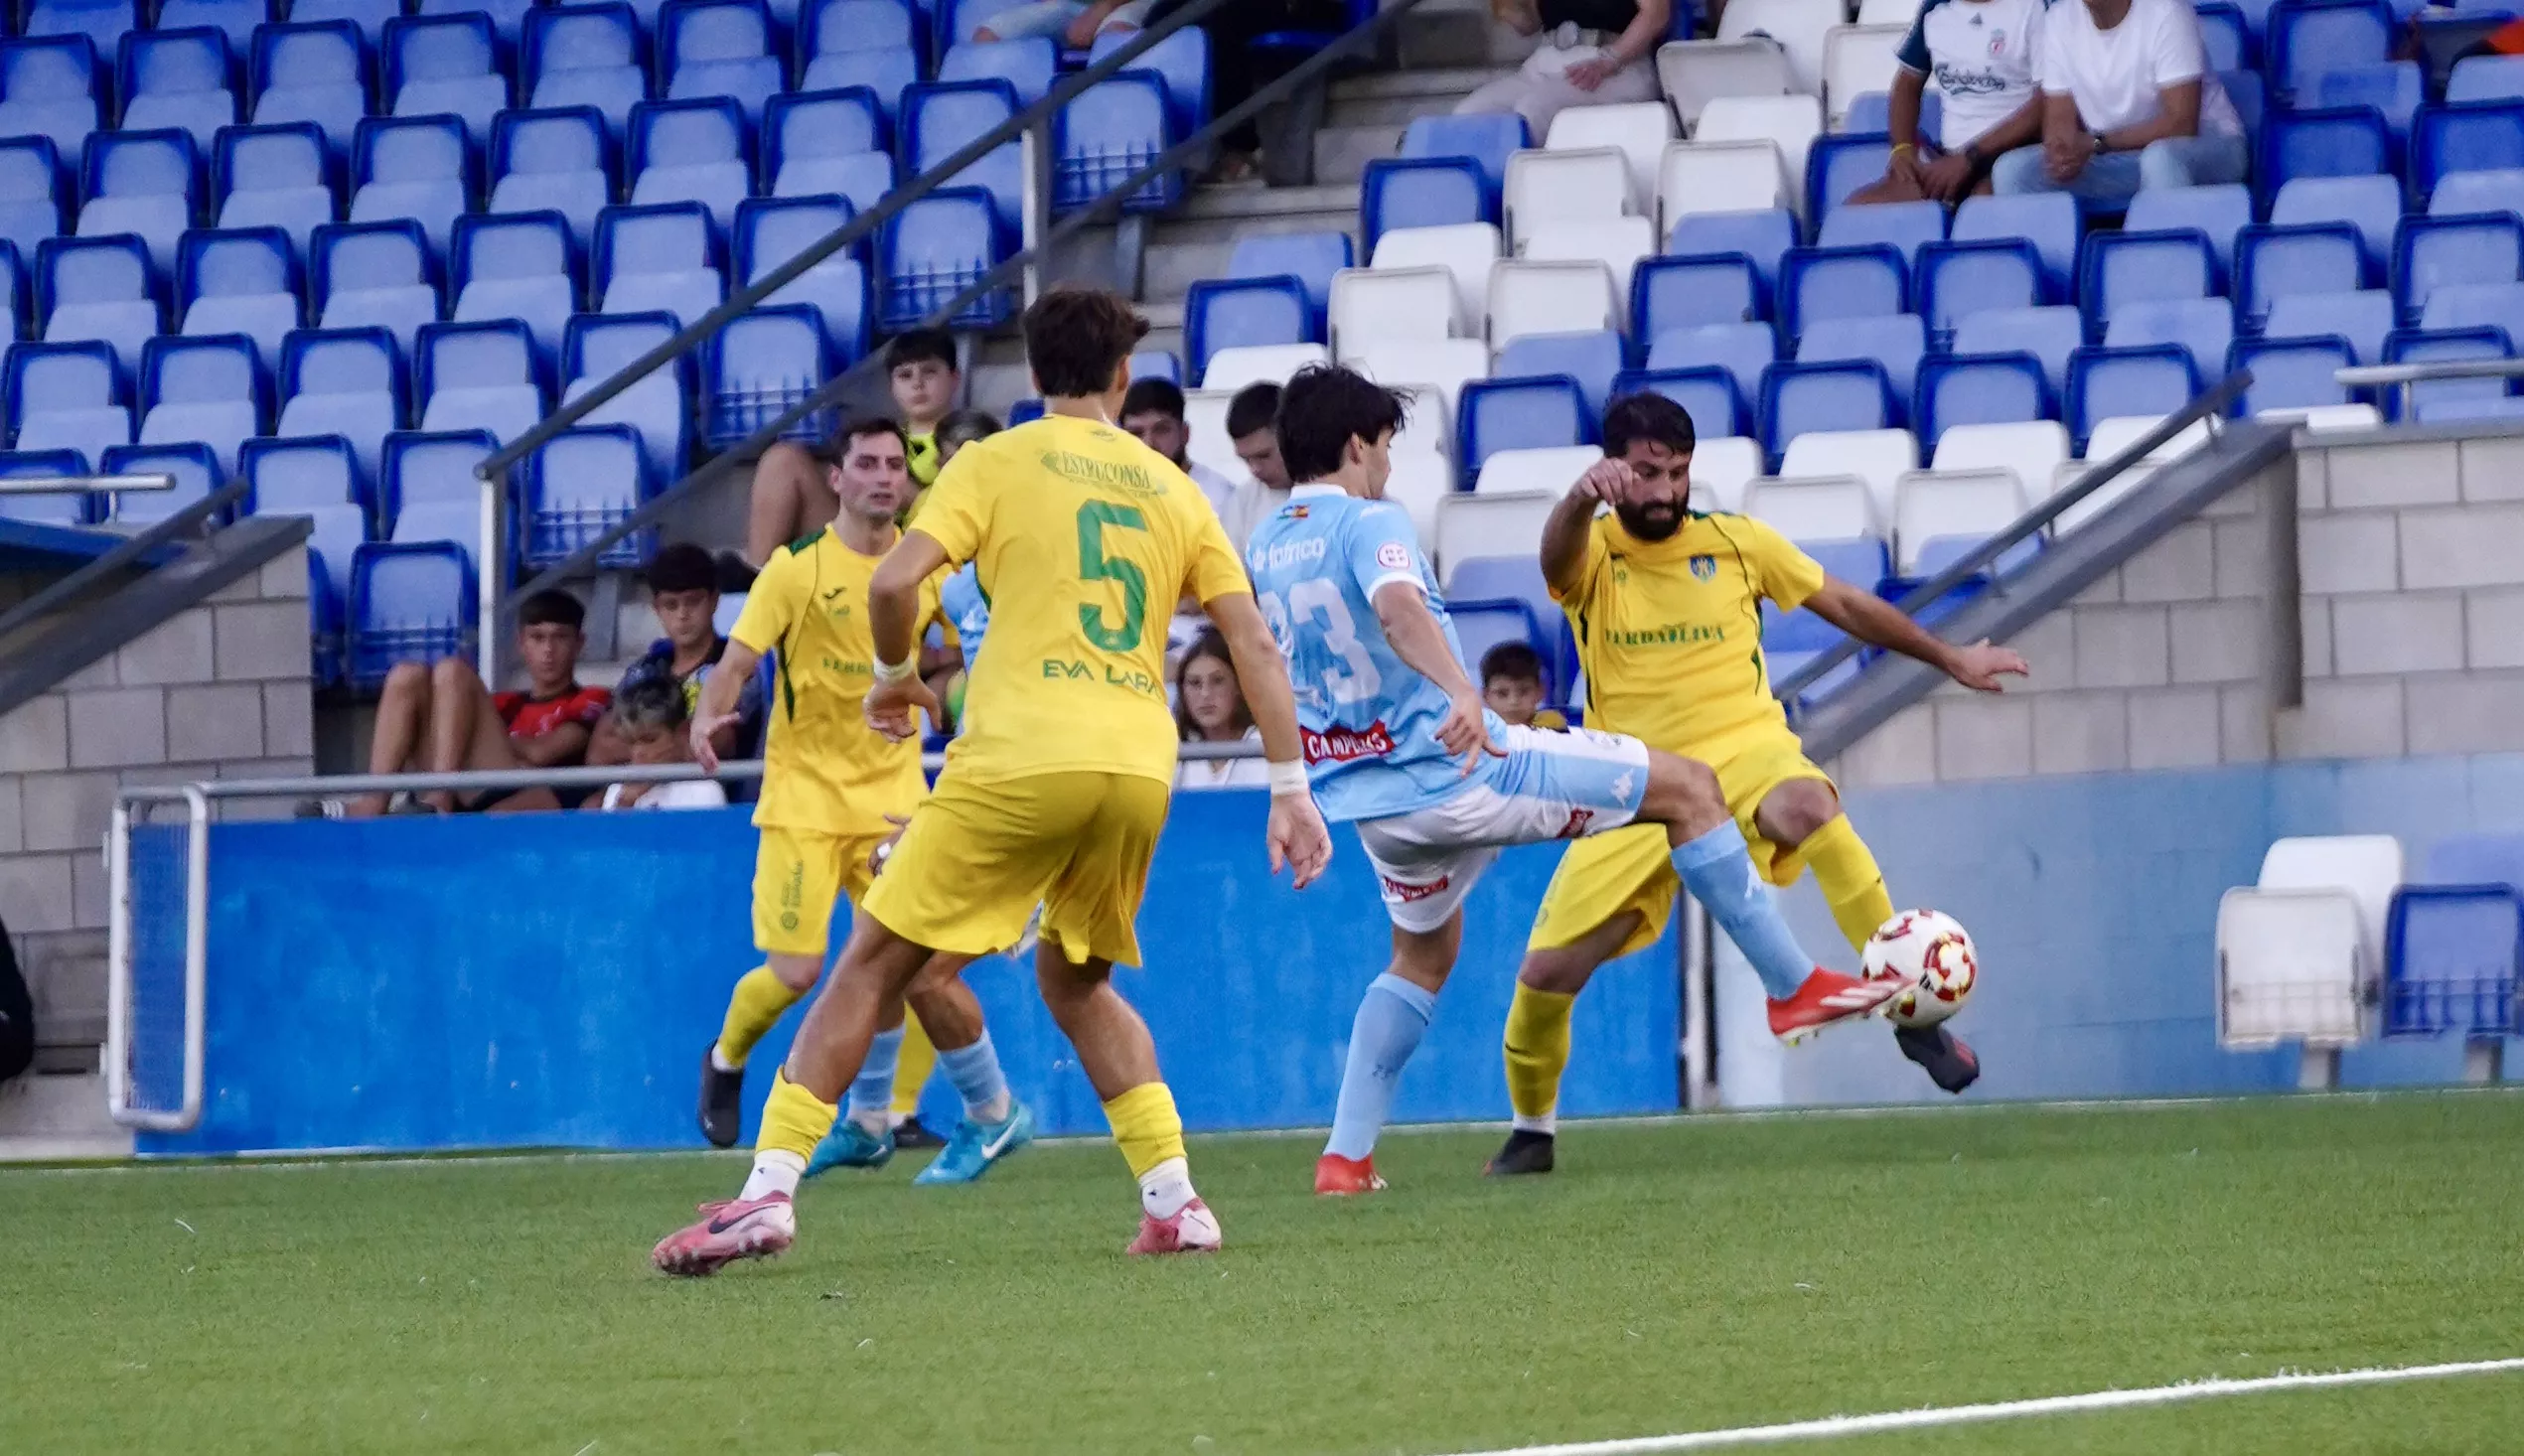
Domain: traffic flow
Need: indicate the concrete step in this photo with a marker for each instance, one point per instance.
(48, 1116)
(1195, 242)
(1397, 97)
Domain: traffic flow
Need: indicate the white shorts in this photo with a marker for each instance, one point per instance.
(1551, 786)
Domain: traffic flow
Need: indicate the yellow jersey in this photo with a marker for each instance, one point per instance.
(1670, 632)
(1083, 539)
(824, 768)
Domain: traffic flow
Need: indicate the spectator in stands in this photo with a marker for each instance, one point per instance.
(2127, 103)
(1239, 66)
(1153, 410)
(961, 428)
(1512, 686)
(442, 719)
(649, 719)
(1594, 53)
(1074, 22)
(1981, 54)
(792, 493)
(1253, 428)
(684, 592)
(1209, 707)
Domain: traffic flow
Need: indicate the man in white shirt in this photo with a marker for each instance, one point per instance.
(1980, 53)
(2127, 103)
(1153, 411)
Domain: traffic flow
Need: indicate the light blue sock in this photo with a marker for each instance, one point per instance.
(872, 1092)
(975, 1070)
(1719, 870)
(1390, 1022)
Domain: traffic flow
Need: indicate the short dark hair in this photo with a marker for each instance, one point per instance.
(1077, 338)
(682, 567)
(837, 447)
(966, 426)
(552, 607)
(1647, 415)
(1153, 396)
(1255, 407)
(652, 703)
(916, 346)
(1327, 406)
(1511, 659)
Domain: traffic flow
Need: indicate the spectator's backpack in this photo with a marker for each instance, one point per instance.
(17, 1014)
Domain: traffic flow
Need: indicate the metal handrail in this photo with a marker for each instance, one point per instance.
(2211, 406)
(2401, 377)
(1171, 159)
(64, 485)
(128, 550)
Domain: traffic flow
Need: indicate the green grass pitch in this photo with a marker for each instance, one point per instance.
(1694, 1274)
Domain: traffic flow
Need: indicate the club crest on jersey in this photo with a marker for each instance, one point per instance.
(1393, 557)
(1997, 43)
(1579, 820)
(1703, 568)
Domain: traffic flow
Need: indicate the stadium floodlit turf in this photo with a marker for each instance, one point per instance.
(1678, 1275)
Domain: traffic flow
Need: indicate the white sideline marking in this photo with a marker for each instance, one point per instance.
(1898, 1420)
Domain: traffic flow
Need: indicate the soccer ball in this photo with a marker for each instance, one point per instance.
(1930, 949)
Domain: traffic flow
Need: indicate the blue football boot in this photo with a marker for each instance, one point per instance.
(848, 1145)
(976, 1146)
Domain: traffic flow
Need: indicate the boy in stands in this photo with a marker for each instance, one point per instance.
(1512, 687)
(684, 592)
(793, 495)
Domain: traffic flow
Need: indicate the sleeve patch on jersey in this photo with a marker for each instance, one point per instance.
(1392, 555)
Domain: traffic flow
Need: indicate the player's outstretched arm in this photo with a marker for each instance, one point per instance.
(893, 622)
(1411, 631)
(721, 692)
(1873, 619)
(1297, 836)
(1565, 533)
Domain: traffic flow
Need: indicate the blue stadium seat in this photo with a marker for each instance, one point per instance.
(143, 183)
(2469, 305)
(68, 508)
(1862, 561)
(1746, 351)
(30, 210)
(235, 18)
(1311, 258)
(1839, 164)
(2472, 247)
(1707, 392)
(1157, 363)
(718, 49)
(241, 281)
(2049, 335)
(514, 265)
(2370, 203)
(2304, 37)
(195, 468)
(2244, 90)
(183, 78)
(428, 491)
(1761, 236)
(97, 288)
(415, 166)
(1797, 398)
(2362, 318)
(583, 482)
(206, 388)
(690, 151)
(275, 175)
(2123, 268)
(2464, 136)
(772, 230)
(412, 602)
(311, 72)
(2495, 190)
(2150, 379)
(103, 22)
(2203, 328)
(837, 26)
(2217, 214)
(370, 16)
(1686, 292)
(761, 365)
(66, 396)
(599, 346)
(662, 257)
(1029, 65)
(2225, 36)
(1223, 312)
(552, 159)
(1895, 340)
(2393, 88)
(2047, 221)
(863, 178)
(2485, 78)
(345, 383)
(584, 56)
(804, 131)
(2454, 942)
(1422, 192)
(1817, 283)
(1534, 414)
(2306, 257)
(2451, 397)
(484, 375)
(446, 65)
(941, 119)
(934, 250)
(1873, 111)
(1483, 623)
(1487, 138)
(1102, 139)
(2335, 141)
(315, 477)
(48, 88)
(1182, 62)
(2292, 374)
(1978, 390)
(1966, 276)
(374, 273)
(13, 293)
(884, 74)
(1903, 225)
(1592, 359)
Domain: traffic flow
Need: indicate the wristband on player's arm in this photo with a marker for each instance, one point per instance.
(1287, 779)
(894, 671)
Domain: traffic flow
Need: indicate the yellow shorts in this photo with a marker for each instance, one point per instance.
(978, 857)
(1633, 869)
(798, 874)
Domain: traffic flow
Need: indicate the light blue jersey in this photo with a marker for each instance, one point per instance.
(962, 600)
(1370, 721)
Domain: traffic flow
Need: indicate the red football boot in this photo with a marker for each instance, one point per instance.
(1828, 997)
(1192, 1230)
(736, 1228)
(1338, 1177)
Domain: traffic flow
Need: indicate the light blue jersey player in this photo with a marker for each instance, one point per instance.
(960, 598)
(1399, 744)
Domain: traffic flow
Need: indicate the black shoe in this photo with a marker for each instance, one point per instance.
(909, 1134)
(722, 1101)
(1523, 1152)
(1950, 1063)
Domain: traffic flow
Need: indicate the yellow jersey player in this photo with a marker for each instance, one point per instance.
(1666, 603)
(1082, 539)
(834, 792)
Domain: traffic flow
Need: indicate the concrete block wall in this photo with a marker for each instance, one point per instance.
(221, 690)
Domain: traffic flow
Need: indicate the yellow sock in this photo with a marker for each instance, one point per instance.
(794, 1120)
(757, 1001)
(1845, 870)
(1146, 1126)
(1537, 1048)
(911, 1068)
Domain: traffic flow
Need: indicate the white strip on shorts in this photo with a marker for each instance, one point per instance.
(1551, 786)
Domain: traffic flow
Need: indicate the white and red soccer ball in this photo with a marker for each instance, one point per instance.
(1932, 951)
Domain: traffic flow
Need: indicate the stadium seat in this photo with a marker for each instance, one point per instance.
(1793, 124)
(2226, 37)
(940, 118)
(2485, 78)
(1618, 243)
(1563, 188)
(555, 160)
(1838, 508)
(2472, 247)
(718, 49)
(2464, 136)
(2308, 258)
(1441, 365)
(597, 347)
(1182, 62)
(1904, 227)
(374, 273)
(1838, 166)
(2394, 89)
(97, 288)
(277, 177)
(2362, 318)
(2453, 943)
(934, 250)
(370, 16)
(2033, 449)
(762, 365)
(1542, 412)
(412, 167)
(241, 281)
(2473, 305)
(1697, 72)
(1847, 394)
(2115, 433)
(1311, 258)
(1961, 278)
(102, 22)
(1873, 111)
(1501, 523)
(1857, 58)
(67, 397)
(2217, 214)
(1707, 392)
(1423, 192)
(178, 79)
(48, 88)
(1106, 136)
(1723, 470)
(508, 17)
(2304, 37)
(1235, 366)
(28, 179)
(428, 491)
(2048, 220)
(1960, 389)
(446, 65)
(1721, 177)
(1895, 340)
(1552, 469)
(772, 230)
(1551, 298)
(2292, 374)
(193, 466)
(2492, 190)
(343, 382)
(1817, 283)
(584, 54)
(1592, 359)
(1490, 139)
(664, 257)
(1369, 306)
(1684, 292)
(2338, 141)
(1468, 251)
(1274, 310)
(317, 476)
(235, 18)
(1801, 27)
(1877, 456)
(142, 182)
(207, 389)
(2447, 397)
(2150, 379)
(514, 265)
(480, 375)
(1639, 130)
(2299, 954)
(692, 150)
(582, 483)
(2202, 327)
(1745, 351)
(409, 603)
(311, 72)
(1761, 237)
(63, 508)
(884, 73)
(2124, 268)
(2370, 203)
(2047, 333)
(837, 26)
(1960, 509)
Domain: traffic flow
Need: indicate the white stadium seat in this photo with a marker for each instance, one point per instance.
(1828, 509)
(2111, 436)
(1552, 470)
(1616, 242)
(1545, 187)
(1466, 249)
(1418, 484)
(1551, 298)
(1471, 526)
(1857, 58)
(2033, 449)
(1442, 364)
(1720, 177)
(1251, 363)
(1639, 130)
(2300, 955)
(1799, 26)
(1930, 504)
(1721, 470)
(2323, 419)
(1205, 415)
(1886, 12)
(1697, 72)
(1390, 304)
(1791, 121)
(2107, 496)
(1429, 426)
(1877, 457)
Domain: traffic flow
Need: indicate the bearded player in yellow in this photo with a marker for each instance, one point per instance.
(1083, 539)
(1666, 603)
